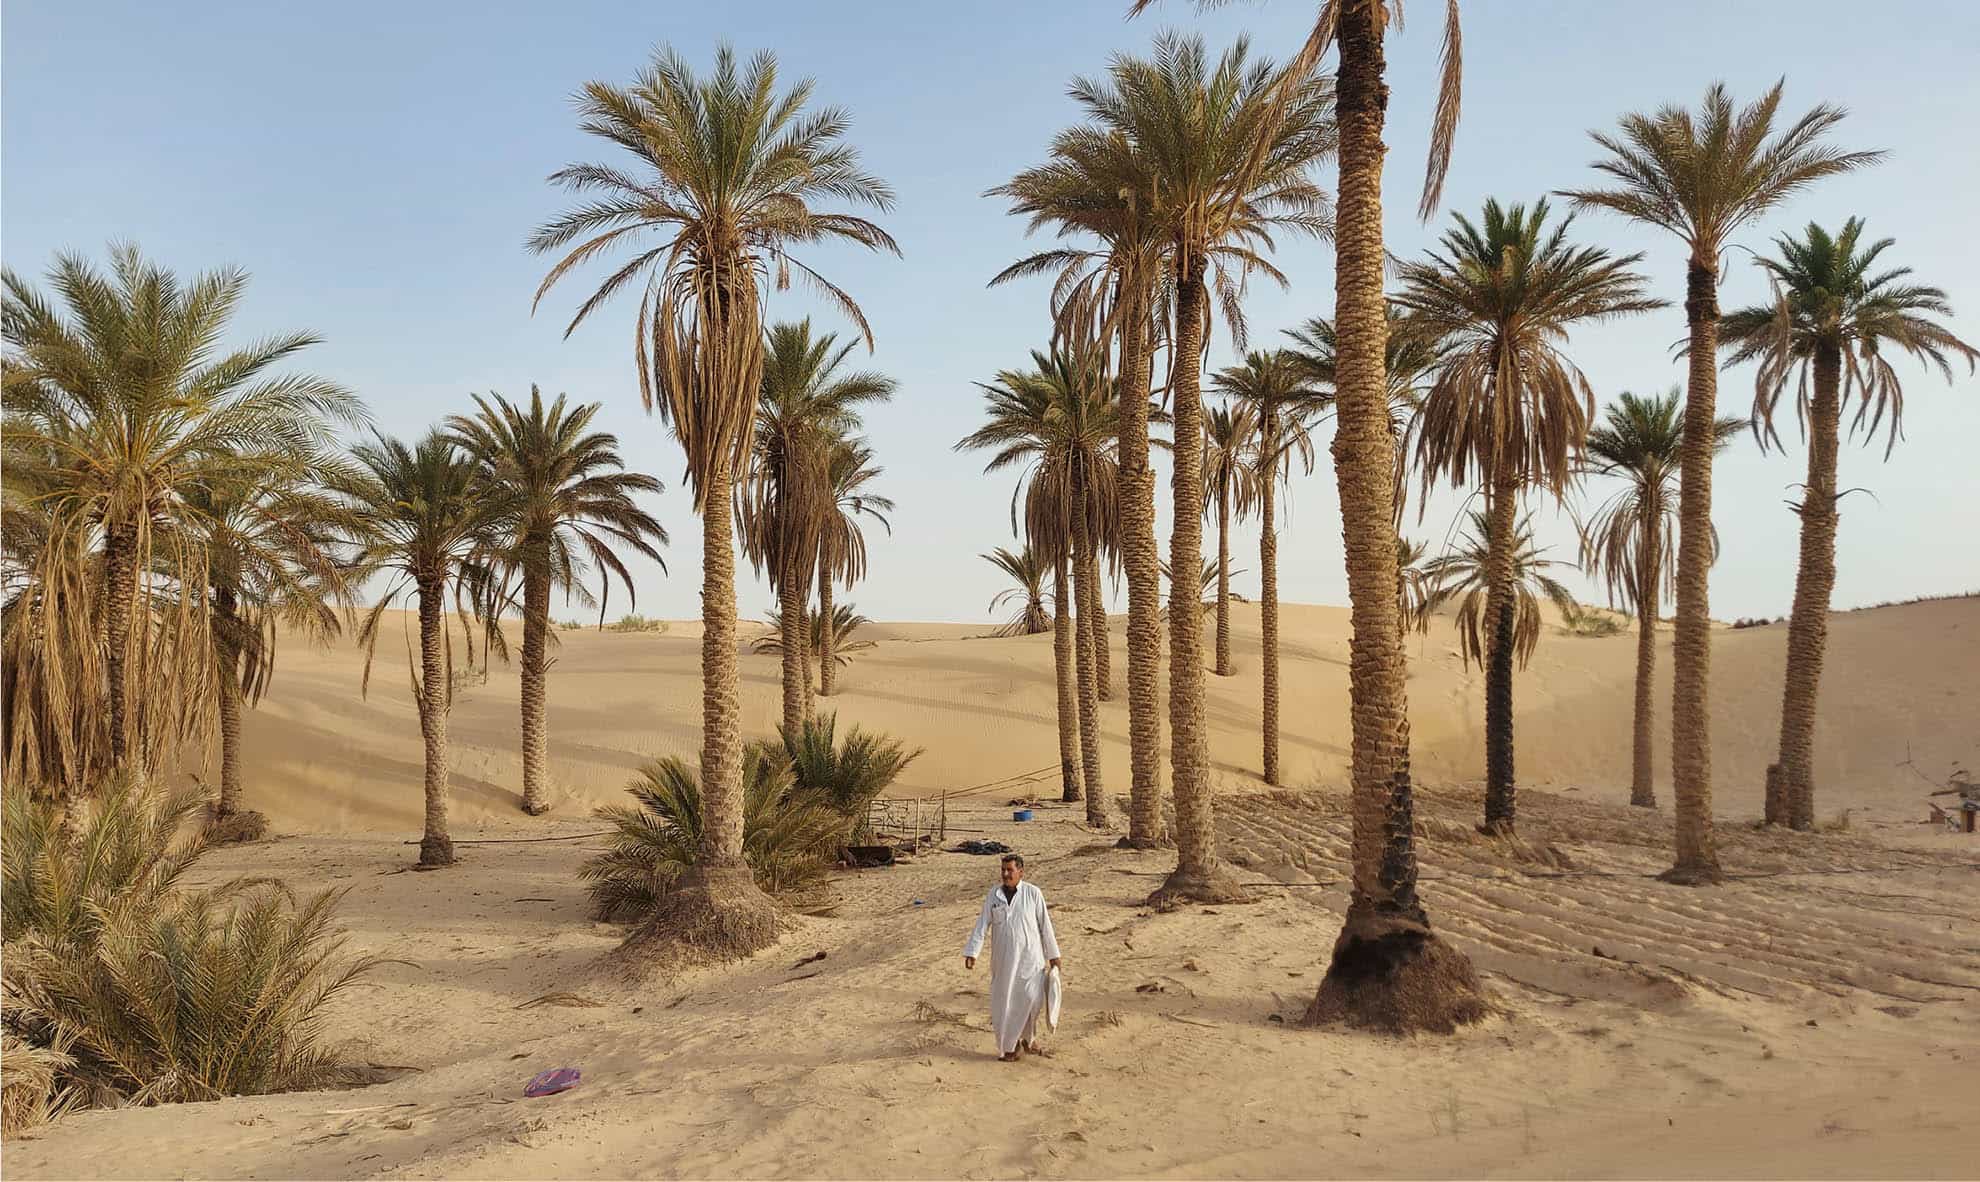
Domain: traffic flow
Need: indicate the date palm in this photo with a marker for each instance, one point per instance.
(1506, 405)
(1834, 320)
(730, 176)
(842, 543)
(119, 398)
(1410, 353)
(809, 402)
(1413, 585)
(1627, 543)
(1026, 569)
(1701, 176)
(1230, 485)
(1466, 577)
(1273, 388)
(1228, 147)
(273, 564)
(1058, 423)
(425, 521)
(567, 504)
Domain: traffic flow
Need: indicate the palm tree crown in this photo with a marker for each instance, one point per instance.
(1027, 569)
(1463, 575)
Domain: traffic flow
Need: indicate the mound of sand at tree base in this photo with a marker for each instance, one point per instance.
(1815, 1016)
(321, 759)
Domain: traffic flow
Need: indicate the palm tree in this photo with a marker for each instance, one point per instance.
(1701, 176)
(425, 522)
(1466, 576)
(1506, 403)
(728, 174)
(1413, 585)
(817, 639)
(1058, 421)
(1628, 541)
(1389, 970)
(808, 406)
(1027, 569)
(1272, 388)
(1410, 354)
(1096, 185)
(1230, 483)
(842, 544)
(1834, 318)
(117, 403)
(567, 503)
(272, 564)
(1228, 146)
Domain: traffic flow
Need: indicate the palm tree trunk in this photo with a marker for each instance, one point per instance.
(535, 677)
(1086, 665)
(1691, 649)
(120, 573)
(1808, 627)
(1093, 608)
(1143, 560)
(1268, 597)
(1501, 602)
(796, 643)
(1223, 582)
(1062, 673)
(827, 673)
(1197, 876)
(436, 848)
(228, 656)
(1388, 969)
(1650, 559)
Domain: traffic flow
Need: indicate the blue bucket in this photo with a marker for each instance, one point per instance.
(1021, 815)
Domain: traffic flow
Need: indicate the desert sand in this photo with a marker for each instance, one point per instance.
(1818, 1015)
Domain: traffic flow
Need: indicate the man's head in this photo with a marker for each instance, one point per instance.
(1012, 871)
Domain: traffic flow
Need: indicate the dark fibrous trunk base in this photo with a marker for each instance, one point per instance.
(227, 828)
(1697, 874)
(712, 916)
(537, 809)
(1395, 976)
(1182, 888)
(436, 852)
(1648, 802)
(1144, 843)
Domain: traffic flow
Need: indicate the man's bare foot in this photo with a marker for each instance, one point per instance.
(1010, 1058)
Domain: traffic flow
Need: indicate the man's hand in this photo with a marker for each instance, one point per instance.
(1054, 964)
(969, 962)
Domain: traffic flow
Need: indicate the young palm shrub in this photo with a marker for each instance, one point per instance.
(1027, 569)
(1700, 176)
(1465, 576)
(427, 521)
(566, 502)
(846, 622)
(730, 178)
(134, 991)
(1628, 541)
(789, 835)
(118, 403)
(1834, 320)
(842, 543)
(1507, 404)
(850, 775)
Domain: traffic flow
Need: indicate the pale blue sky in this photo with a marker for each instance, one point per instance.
(377, 166)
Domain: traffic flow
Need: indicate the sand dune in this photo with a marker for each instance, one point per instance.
(1814, 1016)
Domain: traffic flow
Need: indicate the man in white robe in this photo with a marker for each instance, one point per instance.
(1023, 950)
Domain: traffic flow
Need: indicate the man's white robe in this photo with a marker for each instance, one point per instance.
(1022, 945)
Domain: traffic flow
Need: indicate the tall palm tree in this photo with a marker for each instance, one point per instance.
(1026, 569)
(1389, 970)
(1507, 404)
(1273, 389)
(1229, 147)
(808, 405)
(567, 502)
(1413, 585)
(1058, 422)
(1702, 176)
(1096, 185)
(1466, 576)
(1410, 354)
(425, 523)
(1627, 543)
(729, 172)
(842, 543)
(272, 564)
(1230, 484)
(118, 401)
(1833, 320)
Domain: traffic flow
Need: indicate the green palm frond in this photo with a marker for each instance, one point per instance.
(1028, 568)
(846, 621)
(1460, 577)
(848, 775)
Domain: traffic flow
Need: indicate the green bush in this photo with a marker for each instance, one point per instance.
(849, 775)
(634, 622)
(132, 990)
